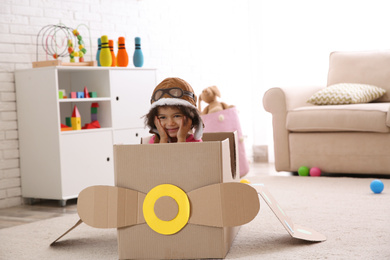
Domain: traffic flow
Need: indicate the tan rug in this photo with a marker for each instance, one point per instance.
(354, 220)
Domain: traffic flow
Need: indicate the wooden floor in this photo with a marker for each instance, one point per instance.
(45, 209)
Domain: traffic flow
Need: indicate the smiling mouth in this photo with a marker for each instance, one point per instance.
(174, 130)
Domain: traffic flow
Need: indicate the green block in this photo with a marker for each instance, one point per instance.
(92, 94)
(94, 110)
(60, 94)
(68, 121)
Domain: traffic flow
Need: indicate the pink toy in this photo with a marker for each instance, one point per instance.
(227, 121)
(315, 172)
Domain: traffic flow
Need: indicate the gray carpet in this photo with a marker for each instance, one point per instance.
(354, 220)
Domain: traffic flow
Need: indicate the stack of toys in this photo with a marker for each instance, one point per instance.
(94, 122)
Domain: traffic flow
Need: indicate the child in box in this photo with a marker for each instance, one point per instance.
(173, 114)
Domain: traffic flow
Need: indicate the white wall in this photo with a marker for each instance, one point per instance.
(204, 42)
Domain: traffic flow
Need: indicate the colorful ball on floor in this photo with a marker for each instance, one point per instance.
(315, 172)
(303, 171)
(377, 186)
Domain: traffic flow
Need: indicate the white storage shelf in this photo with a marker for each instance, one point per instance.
(58, 164)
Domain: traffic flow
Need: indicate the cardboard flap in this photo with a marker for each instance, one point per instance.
(294, 230)
(109, 207)
(77, 223)
(223, 205)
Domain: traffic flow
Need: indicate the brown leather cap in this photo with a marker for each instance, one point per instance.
(175, 83)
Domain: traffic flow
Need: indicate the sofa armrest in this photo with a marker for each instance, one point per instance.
(278, 102)
(292, 97)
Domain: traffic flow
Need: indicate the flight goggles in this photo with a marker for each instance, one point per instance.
(173, 92)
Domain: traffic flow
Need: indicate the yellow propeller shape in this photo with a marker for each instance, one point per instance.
(219, 205)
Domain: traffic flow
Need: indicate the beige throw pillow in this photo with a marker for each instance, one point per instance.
(346, 93)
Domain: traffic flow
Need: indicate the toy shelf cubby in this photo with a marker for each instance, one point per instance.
(58, 164)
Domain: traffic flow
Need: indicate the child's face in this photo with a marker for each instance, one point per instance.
(170, 119)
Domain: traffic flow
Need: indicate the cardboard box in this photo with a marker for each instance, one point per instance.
(189, 166)
(157, 184)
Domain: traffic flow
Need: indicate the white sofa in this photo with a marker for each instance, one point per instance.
(351, 138)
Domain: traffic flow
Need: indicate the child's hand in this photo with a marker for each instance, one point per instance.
(185, 127)
(161, 131)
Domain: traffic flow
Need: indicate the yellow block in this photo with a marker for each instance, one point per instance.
(76, 123)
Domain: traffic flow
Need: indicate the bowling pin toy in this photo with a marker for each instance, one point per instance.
(122, 59)
(98, 52)
(111, 45)
(138, 57)
(105, 54)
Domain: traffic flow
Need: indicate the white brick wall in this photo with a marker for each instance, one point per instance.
(204, 42)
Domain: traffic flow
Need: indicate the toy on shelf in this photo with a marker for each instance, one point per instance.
(93, 94)
(210, 96)
(92, 125)
(98, 51)
(80, 94)
(65, 128)
(94, 108)
(61, 93)
(59, 41)
(122, 58)
(105, 54)
(86, 93)
(76, 119)
(138, 57)
(68, 121)
(111, 45)
(94, 121)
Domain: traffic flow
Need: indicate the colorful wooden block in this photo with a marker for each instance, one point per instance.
(76, 119)
(94, 117)
(65, 128)
(93, 110)
(76, 112)
(76, 123)
(86, 94)
(92, 94)
(61, 93)
(80, 94)
(68, 122)
(73, 95)
(92, 125)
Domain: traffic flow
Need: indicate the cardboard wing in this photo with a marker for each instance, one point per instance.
(219, 205)
(294, 230)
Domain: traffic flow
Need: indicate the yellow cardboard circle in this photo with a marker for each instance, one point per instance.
(172, 226)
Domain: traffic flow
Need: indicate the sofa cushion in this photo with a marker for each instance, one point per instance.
(371, 117)
(346, 93)
(364, 67)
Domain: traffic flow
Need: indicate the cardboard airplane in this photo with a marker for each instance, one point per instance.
(172, 211)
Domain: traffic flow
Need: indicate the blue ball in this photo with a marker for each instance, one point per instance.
(377, 186)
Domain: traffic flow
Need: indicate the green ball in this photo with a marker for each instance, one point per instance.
(303, 171)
